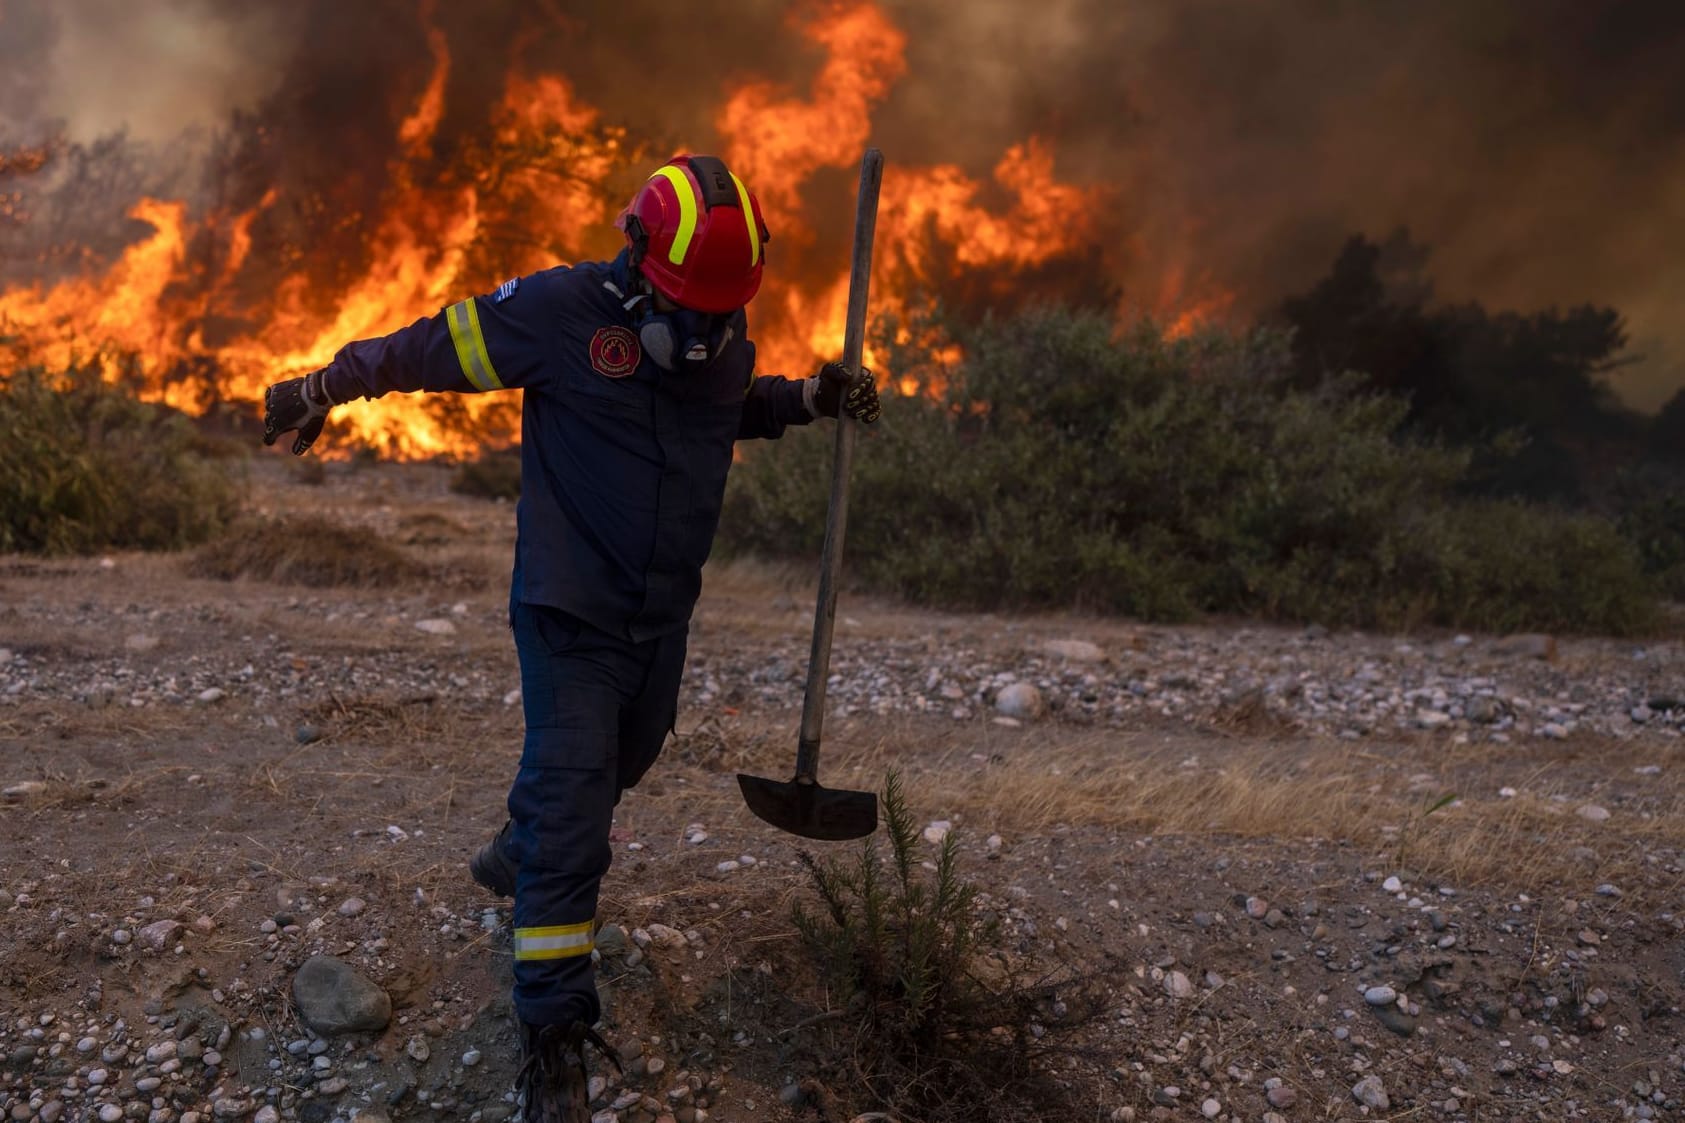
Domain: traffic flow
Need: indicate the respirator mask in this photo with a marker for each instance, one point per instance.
(683, 340)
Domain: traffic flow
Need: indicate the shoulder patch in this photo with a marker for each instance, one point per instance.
(505, 290)
(615, 352)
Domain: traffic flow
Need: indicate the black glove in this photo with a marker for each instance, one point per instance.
(297, 403)
(832, 391)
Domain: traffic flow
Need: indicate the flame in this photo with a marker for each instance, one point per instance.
(1185, 306)
(776, 142)
(539, 184)
(417, 130)
(67, 322)
(417, 256)
(783, 140)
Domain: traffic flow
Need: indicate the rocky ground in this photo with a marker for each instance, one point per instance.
(1316, 875)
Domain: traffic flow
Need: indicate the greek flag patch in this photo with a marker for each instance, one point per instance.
(505, 290)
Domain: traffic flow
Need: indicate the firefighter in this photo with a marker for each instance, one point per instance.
(639, 377)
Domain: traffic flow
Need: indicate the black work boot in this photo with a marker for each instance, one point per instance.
(551, 1086)
(492, 867)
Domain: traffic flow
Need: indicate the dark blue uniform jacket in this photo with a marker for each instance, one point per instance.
(623, 465)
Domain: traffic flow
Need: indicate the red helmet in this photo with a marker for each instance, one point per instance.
(697, 234)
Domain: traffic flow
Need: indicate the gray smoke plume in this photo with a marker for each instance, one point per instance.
(155, 69)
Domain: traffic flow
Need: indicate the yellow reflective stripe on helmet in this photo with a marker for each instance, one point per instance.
(748, 217)
(470, 343)
(560, 941)
(687, 212)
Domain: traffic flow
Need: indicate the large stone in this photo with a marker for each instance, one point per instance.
(1020, 700)
(1484, 709)
(159, 934)
(611, 940)
(333, 998)
(1371, 1093)
(1380, 996)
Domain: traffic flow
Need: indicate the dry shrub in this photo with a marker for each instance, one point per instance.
(87, 467)
(429, 528)
(304, 550)
(377, 718)
(1249, 714)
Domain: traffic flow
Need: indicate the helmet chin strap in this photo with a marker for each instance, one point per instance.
(664, 340)
(642, 293)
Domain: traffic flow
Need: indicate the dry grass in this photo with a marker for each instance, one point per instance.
(304, 550)
(1378, 800)
(430, 528)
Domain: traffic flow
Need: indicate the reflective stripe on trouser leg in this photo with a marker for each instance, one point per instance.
(559, 941)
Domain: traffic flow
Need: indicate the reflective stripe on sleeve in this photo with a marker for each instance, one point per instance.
(464, 321)
(558, 942)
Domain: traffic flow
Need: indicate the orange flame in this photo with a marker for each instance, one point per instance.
(66, 322)
(776, 142)
(549, 178)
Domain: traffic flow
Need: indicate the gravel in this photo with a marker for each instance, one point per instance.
(1287, 945)
(1350, 685)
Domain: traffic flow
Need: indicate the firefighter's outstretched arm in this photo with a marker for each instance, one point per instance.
(484, 343)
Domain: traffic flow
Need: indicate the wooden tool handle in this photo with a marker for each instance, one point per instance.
(836, 522)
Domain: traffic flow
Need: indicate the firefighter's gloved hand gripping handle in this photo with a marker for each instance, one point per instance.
(800, 806)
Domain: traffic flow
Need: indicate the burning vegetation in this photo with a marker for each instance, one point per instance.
(271, 264)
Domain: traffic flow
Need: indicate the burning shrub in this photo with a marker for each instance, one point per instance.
(89, 467)
(1160, 478)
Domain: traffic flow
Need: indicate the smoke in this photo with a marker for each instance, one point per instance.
(1538, 146)
(157, 69)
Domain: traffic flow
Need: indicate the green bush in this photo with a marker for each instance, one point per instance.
(1064, 466)
(87, 466)
(1652, 517)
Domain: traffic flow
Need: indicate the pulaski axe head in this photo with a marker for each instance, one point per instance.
(801, 807)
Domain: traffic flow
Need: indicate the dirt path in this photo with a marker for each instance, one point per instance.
(210, 783)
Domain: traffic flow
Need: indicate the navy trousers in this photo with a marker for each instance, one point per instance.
(598, 709)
